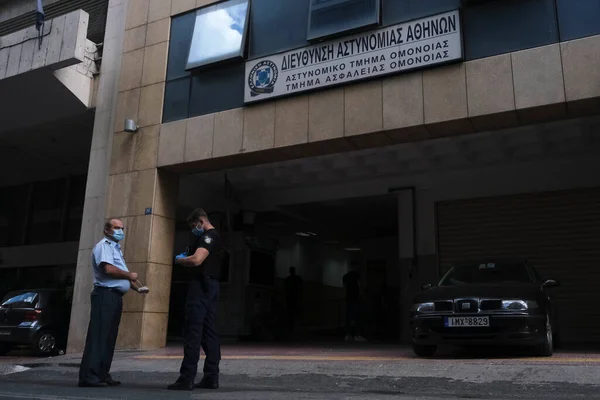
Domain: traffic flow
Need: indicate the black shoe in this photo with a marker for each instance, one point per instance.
(92, 384)
(111, 382)
(207, 384)
(181, 386)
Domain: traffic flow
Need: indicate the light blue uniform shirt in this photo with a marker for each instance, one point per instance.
(109, 251)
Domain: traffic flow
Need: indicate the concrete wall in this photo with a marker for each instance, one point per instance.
(98, 172)
(64, 44)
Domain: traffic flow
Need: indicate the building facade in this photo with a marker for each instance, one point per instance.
(478, 119)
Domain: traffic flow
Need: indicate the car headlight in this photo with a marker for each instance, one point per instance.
(423, 307)
(518, 305)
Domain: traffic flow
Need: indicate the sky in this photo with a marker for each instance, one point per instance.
(218, 31)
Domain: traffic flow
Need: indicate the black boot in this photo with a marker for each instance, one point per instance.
(181, 385)
(208, 383)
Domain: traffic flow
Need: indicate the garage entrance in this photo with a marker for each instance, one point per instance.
(403, 213)
(557, 232)
(322, 242)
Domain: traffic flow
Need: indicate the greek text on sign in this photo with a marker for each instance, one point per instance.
(416, 44)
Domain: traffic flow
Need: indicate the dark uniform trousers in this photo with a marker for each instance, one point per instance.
(105, 317)
(200, 330)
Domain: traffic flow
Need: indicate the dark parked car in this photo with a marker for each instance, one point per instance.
(485, 303)
(35, 318)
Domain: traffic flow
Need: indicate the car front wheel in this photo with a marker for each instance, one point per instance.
(423, 350)
(44, 343)
(546, 349)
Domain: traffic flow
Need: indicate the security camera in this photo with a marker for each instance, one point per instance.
(131, 126)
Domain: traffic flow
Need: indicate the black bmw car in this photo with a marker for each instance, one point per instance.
(485, 303)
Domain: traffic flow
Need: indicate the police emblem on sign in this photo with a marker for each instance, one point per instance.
(262, 78)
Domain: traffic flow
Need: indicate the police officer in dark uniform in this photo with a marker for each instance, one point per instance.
(200, 330)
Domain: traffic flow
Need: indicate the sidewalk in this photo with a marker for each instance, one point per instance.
(332, 352)
(324, 371)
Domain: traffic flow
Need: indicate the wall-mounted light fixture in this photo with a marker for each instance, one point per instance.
(131, 126)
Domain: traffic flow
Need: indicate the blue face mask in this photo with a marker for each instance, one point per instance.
(198, 231)
(118, 235)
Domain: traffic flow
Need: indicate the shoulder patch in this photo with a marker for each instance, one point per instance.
(208, 239)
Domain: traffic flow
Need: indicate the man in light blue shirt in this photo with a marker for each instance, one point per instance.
(112, 280)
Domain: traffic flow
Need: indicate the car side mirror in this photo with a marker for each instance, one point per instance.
(426, 287)
(550, 283)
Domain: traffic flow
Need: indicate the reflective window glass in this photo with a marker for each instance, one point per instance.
(219, 33)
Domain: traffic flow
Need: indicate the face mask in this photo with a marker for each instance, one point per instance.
(118, 235)
(198, 231)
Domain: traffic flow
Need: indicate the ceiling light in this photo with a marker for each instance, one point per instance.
(352, 249)
(303, 234)
(312, 233)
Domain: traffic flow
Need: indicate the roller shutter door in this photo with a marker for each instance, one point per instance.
(557, 232)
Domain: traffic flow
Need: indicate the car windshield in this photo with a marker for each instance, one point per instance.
(20, 300)
(486, 273)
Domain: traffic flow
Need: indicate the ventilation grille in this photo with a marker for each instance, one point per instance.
(97, 9)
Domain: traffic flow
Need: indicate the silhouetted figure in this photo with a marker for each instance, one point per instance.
(353, 305)
(293, 295)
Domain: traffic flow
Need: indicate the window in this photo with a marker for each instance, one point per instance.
(487, 273)
(21, 300)
(47, 212)
(13, 212)
(75, 208)
(219, 33)
(332, 17)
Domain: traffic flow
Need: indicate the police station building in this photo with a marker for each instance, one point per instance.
(392, 136)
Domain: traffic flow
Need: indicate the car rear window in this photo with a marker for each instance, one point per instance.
(20, 300)
(487, 273)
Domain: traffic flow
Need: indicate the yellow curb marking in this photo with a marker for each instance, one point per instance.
(354, 358)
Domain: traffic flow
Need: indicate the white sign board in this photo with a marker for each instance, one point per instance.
(399, 48)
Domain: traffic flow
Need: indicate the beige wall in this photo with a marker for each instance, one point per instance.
(540, 84)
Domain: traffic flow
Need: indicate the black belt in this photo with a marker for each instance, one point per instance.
(116, 291)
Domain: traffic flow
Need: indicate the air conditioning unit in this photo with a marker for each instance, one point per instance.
(329, 18)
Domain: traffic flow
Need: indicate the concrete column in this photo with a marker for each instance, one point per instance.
(406, 257)
(98, 170)
(146, 202)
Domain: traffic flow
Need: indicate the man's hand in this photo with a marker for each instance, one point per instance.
(179, 257)
(133, 276)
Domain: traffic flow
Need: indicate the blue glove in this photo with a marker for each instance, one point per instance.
(180, 256)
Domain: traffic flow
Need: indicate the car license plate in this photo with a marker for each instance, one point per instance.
(467, 322)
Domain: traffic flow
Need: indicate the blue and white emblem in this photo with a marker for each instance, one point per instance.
(262, 78)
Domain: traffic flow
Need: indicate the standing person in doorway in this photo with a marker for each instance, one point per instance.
(112, 280)
(353, 304)
(200, 328)
(293, 297)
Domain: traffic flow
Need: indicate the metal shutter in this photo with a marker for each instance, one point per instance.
(558, 232)
(97, 9)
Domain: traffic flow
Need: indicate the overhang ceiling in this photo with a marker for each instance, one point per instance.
(564, 139)
(35, 99)
(46, 151)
